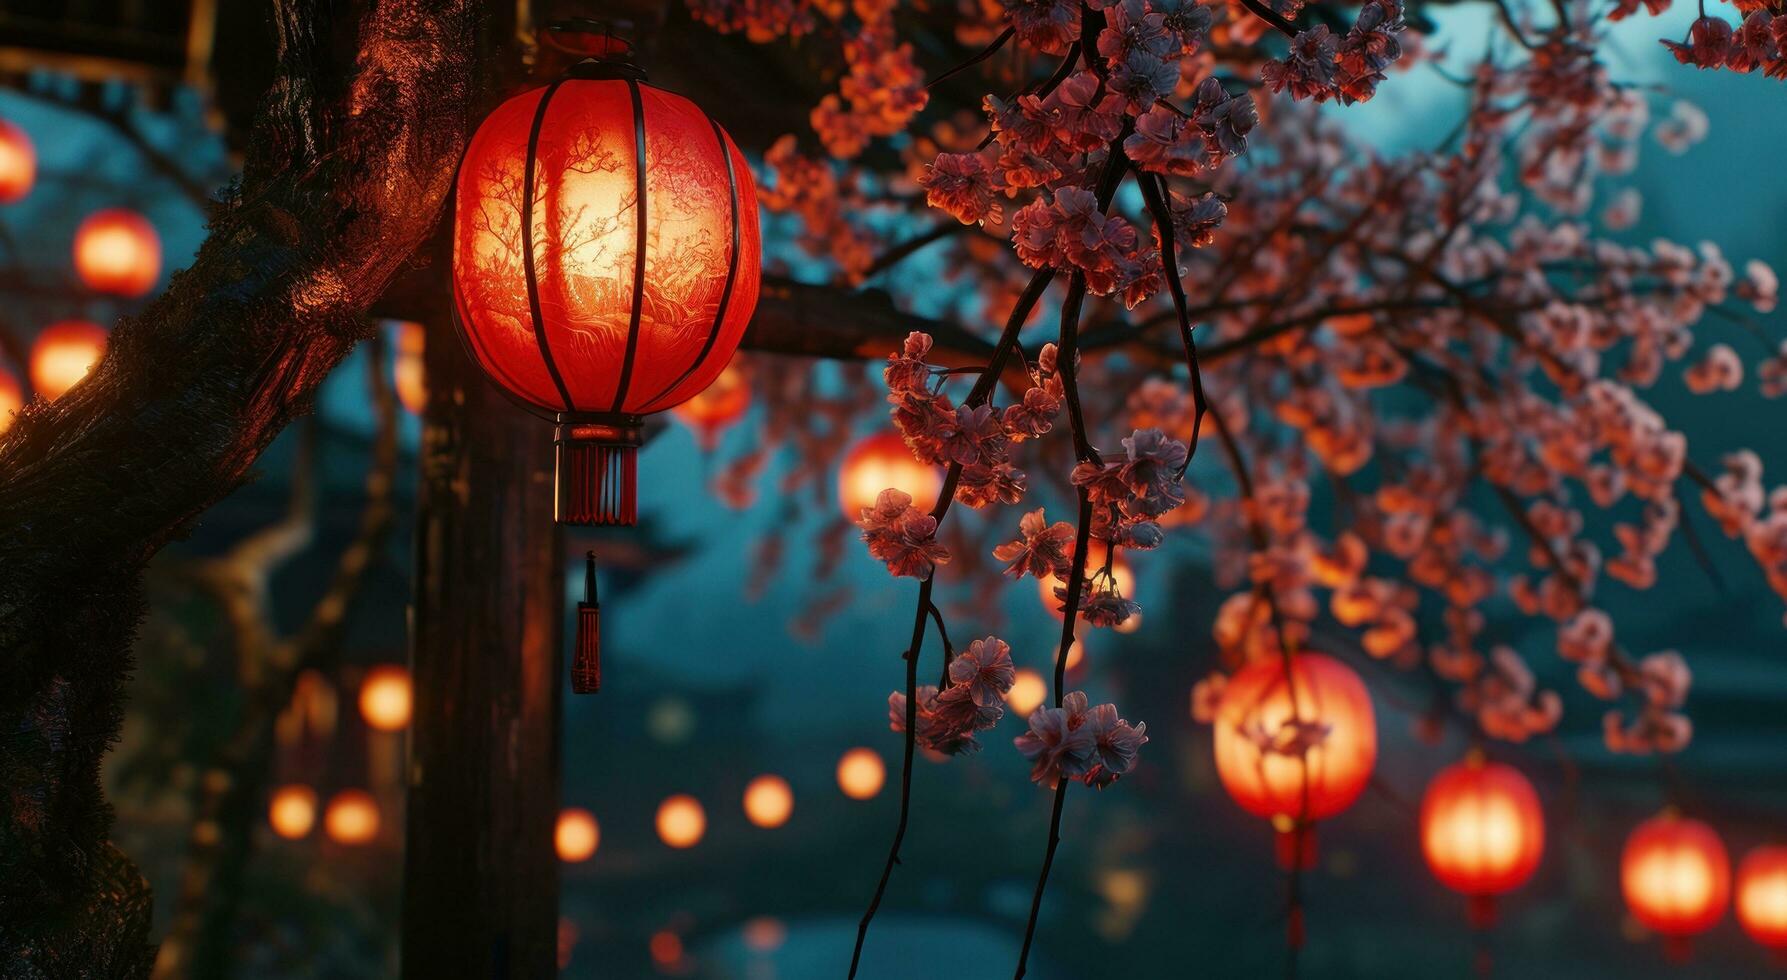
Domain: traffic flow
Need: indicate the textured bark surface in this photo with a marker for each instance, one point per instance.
(345, 174)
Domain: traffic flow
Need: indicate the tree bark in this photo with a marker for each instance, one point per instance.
(480, 870)
(344, 176)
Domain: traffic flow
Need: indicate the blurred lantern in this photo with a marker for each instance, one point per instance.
(881, 461)
(18, 163)
(861, 774)
(12, 398)
(721, 404)
(764, 934)
(576, 835)
(1096, 553)
(385, 697)
(606, 259)
(63, 355)
(666, 949)
(1676, 877)
(681, 821)
(1482, 832)
(1762, 897)
(1299, 752)
(1027, 692)
(769, 801)
(292, 811)
(117, 251)
(352, 817)
(406, 368)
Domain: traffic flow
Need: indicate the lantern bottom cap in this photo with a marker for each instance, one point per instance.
(598, 472)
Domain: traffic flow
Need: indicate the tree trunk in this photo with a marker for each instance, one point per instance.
(480, 871)
(344, 176)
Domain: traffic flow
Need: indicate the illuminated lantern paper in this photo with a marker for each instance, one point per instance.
(292, 811)
(605, 263)
(1257, 744)
(12, 398)
(1676, 878)
(881, 461)
(385, 697)
(721, 404)
(63, 354)
(352, 817)
(117, 251)
(1762, 897)
(1482, 832)
(18, 163)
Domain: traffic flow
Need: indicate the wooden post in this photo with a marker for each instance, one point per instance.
(480, 874)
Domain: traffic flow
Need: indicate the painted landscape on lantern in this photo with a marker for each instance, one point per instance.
(1048, 488)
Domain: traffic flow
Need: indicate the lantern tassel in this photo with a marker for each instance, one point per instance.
(586, 663)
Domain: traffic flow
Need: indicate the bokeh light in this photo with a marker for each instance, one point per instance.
(292, 811)
(385, 697)
(861, 774)
(769, 801)
(63, 355)
(1027, 692)
(577, 835)
(352, 817)
(18, 163)
(117, 251)
(881, 461)
(681, 821)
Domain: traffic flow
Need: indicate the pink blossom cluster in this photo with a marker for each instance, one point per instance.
(1321, 66)
(974, 701)
(1092, 745)
(1758, 42)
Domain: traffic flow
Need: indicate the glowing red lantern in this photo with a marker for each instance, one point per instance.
(18, 163)
(1295, 752)
(63, 354)
(879, 462)
(605, 263)
(1482, 832)
(1676, 878)
(117, 251)
(1762, 897)
(721, 404)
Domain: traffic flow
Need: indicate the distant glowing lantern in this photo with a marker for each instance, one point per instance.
(666, 949)
(1121, 576)
(879, 462)
(1676, 878)
(352, 817)
(385, 697)
(117, 251)
(1028, 690)
(769, 801)
(1762, 897)
(721, 404)
(1288, 773)
(292, 811)
(407, 372)
(12, 398)
(605, 263)
(765, 934)
(63, 355)
(18, 163)
(681, 821)
(576, 835)
(861, 774)
(1482, 832)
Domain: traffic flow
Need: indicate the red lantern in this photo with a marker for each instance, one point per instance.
(18, 163)
(63, 354)
(117, 251)
(1762, 897)
(1482, 832)
(1676, 878)
(1295, 774)
(879, 462)
(721, 404)
(605, 263)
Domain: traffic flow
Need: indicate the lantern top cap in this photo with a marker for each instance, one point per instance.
(604, 46)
